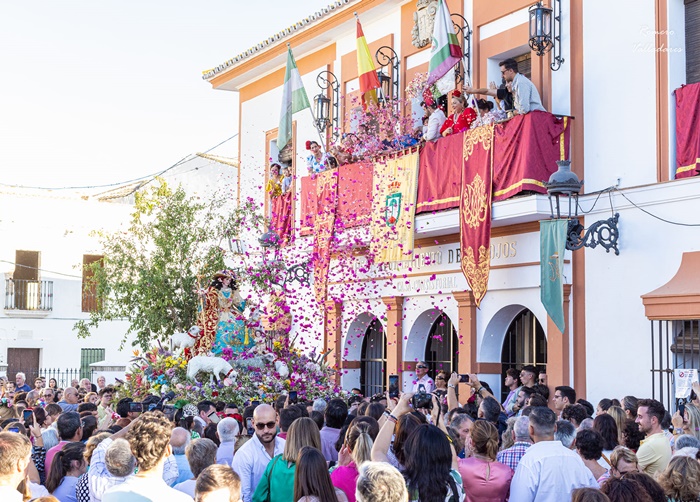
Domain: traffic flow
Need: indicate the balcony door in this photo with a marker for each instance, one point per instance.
(26, 280)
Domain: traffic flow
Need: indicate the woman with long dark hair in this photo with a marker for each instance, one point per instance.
(429, 470)
(312, 483)
(67, 466)
(606, 426)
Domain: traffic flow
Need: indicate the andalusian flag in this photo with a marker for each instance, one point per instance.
(294, 99)
(445, 51)
(369, 81)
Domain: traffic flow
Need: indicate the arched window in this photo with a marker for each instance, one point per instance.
(524, 343)
(373, 360)
(441, 351)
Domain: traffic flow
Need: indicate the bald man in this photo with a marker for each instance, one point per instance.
(251, 460)
(179, 440)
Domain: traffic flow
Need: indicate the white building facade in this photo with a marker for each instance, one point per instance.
(621, 62)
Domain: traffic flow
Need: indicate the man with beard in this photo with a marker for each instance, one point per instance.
(654, 453)
(251, 460)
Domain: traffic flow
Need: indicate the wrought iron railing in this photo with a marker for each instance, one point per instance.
(674, 345)
(28, 295)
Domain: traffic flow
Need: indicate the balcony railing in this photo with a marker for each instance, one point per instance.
(28, 295)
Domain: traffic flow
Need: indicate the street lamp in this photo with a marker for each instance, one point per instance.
(545, 31)
(564, 184)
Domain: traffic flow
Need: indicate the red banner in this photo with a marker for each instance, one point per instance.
(324, 224)
(688, 131)
(282, 217)
(525, 148)
(439, 174)
(475, 209)
(354, 198)
(525, 152)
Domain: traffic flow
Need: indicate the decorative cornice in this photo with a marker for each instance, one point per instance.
(277, 37)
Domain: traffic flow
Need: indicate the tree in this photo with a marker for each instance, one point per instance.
(152, 272)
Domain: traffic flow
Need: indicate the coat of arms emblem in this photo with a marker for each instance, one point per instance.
(392, 210)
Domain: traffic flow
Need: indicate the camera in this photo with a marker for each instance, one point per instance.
(421, 399)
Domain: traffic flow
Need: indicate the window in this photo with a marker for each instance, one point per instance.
(442, 349)
(89, 288)
(692, 41)
(373, 360)
(87, 357)
(524, 344)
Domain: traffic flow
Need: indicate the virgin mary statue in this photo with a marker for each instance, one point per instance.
(221, 320)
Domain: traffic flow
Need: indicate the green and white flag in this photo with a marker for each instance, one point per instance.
(445, 51)
(294, 99)
(552, 248)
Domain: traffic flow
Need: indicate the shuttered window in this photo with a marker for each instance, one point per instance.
(692, 41)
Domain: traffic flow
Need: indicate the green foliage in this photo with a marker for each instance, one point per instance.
(152, 272)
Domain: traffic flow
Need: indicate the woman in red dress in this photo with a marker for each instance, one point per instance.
(461, 119)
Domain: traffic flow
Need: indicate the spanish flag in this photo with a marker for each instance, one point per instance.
(369, 81)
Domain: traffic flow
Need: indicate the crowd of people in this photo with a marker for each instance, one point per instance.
(428, 444)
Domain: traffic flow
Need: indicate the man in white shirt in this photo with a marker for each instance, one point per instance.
(422, 378)
(149, 438)
(251, 460)
(526, 97)
(548, 472)
(227, 430)
(15, 455)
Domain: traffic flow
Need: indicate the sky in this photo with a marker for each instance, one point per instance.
(102, 91)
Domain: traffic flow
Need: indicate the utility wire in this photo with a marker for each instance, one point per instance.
(134, 180)
(41, 269)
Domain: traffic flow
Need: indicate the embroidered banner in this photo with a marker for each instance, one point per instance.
(324, 223)
(394, 207)
(281, 221)
(688, 130)
(475, 209)
(552, 248)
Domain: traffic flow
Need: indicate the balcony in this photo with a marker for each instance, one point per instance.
(29, 296)
(524, 154)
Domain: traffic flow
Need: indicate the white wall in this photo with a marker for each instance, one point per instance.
(620, 93)
(617, 332)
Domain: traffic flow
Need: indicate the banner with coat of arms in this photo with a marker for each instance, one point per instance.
(475, 209)
(394, 208)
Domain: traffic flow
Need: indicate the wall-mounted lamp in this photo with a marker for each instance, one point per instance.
(545, 31)
(327, 109)
(564, 184)
(386, 57)
(463, 30)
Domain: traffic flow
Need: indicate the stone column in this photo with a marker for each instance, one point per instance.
(558, 351)
(333, 336)
(394, 337)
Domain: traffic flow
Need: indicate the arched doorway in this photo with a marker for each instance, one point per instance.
(373, 360)
(524, 343)
(441, 351)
